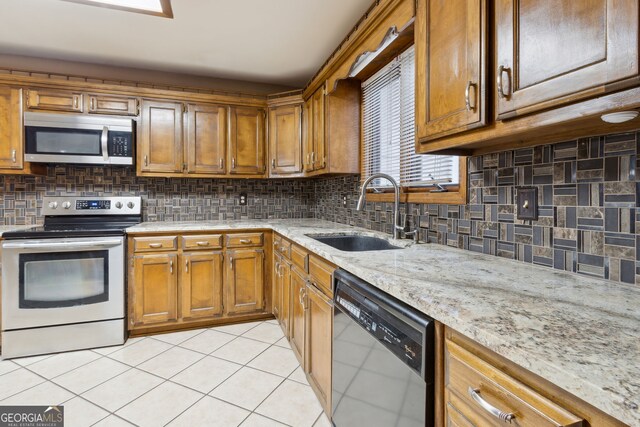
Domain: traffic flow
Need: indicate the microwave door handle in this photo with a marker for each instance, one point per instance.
(62, 245)
(103, 140)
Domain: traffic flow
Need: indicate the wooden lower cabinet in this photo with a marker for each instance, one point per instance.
(297, 314)
(202, 279)
(318, 333)
(155, 289)
(245, 281)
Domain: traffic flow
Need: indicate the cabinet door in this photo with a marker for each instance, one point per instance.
(11, 130)
(450, 65)
(307, 132)
(160, 143)
(318, 136)
(277, 286)
(108, 104)
(551, 52)
(155, 289)
(285, 139)
(297, 315)
(246, 145)
(319, 325)
(54, 100)
(244, 286)
(285, 298)
(202, 278)
(206, 138)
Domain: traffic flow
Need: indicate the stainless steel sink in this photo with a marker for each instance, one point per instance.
(355, 243)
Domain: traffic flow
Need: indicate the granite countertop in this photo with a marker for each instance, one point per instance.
(579, 333)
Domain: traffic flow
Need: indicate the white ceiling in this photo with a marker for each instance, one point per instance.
(280, 42)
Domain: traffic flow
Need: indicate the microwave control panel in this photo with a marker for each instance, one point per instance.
(121, 144)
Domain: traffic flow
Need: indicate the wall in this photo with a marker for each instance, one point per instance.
(588, 193)
(165, 199)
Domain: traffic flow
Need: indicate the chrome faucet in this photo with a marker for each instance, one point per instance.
(396, 201)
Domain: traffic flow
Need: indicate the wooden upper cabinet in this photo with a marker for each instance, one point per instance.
(54, 100)
(110, 104)
(451, 40)
(244, 281)
(247, 141)
(318, 141)
(202, 279)
(160, 137)
(550, 52)
(155, 289)
(206, 139)
(285, 139)
(11, 129)
(319, 325)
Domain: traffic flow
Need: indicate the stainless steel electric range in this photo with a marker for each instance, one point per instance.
(63, 283)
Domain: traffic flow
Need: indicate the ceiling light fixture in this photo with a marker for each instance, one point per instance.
(149, 7)
(619, 117)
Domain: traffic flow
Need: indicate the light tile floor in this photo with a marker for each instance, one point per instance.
(227, 376)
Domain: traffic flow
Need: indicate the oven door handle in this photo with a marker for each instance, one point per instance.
(62, 245)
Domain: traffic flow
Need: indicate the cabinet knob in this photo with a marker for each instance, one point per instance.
(119, 205)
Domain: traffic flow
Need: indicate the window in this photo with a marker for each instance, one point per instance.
(388, 110)
(149, 7)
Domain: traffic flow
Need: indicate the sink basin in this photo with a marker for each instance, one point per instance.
(355, 243)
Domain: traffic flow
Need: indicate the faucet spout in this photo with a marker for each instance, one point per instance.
(396, 204)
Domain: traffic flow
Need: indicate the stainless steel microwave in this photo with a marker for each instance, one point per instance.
(76, 139)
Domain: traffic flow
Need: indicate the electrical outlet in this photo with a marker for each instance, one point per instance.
(344, 200)
(527, 199)
(243, 199)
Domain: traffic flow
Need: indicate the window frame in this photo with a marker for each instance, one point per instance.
(455, 195)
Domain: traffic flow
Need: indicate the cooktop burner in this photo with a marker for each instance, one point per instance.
(83, 217)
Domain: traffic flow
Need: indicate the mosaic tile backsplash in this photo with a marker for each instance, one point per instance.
(164, 199)
(588, 194)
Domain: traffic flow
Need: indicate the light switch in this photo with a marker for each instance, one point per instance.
(527, 199)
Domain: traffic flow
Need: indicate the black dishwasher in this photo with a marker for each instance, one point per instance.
(383, 359)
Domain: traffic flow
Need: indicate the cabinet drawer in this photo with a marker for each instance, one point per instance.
(54, 100)
(284, 248)
(321, 274)
(300, 258)
(211, 241)
(245, 239)
(150, 244)
(106, 104)
(474, 387)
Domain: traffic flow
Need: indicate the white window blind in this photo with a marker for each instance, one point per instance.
(389, 130)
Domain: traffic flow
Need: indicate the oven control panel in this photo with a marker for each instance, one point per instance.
(92, 204)
(60, 206)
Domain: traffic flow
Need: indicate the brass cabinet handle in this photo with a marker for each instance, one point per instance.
(501, 70)
(155, 245)
(231, 262)
(313, 157)
(14, 156)
(277, 268)
(221, 163)
(202, 243)
(245, 241)
(233, 163)
(146, 160)
(273, 163)
(171, 266)
(467, 97)
(502, 416)
(300, 297)
(186, 266)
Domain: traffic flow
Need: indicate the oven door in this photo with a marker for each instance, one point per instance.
(62, 281)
